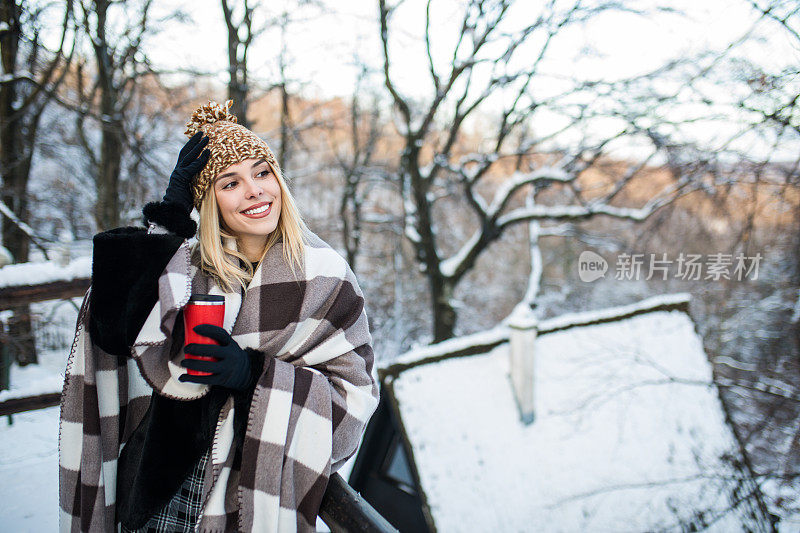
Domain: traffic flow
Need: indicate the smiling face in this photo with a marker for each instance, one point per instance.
(249, 200)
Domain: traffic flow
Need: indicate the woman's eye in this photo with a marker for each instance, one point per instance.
(263, 173)
(228, 185)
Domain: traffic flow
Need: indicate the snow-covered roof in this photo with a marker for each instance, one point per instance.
(487, 339)
(629, 432)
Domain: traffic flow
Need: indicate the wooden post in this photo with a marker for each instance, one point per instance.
(5, 363)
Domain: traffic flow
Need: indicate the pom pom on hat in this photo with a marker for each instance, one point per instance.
(229, 143)
(208, 114)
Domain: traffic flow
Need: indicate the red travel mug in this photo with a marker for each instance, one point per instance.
(202, 309)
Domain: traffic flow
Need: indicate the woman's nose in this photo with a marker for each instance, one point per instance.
(254, 190)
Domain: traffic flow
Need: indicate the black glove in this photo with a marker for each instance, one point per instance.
(179, 190)
(232, 370)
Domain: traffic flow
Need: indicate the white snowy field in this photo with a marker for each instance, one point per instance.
(29, 472)
(53, 342)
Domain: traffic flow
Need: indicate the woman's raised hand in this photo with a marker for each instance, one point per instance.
(179, 190)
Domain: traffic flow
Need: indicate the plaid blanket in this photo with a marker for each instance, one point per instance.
(308, 413)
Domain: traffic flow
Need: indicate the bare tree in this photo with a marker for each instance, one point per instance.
(106, 89)
(31, 76)
(246, 22)
(753, 333)
(356, 159)
(493, 56)
(283, 86)
(774, 95)
(291, 126)
(241, 34)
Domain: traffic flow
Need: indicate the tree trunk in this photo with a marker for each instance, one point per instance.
(283, 155)
(350, 234)
(238, 93)
(237, 63)
(15, 167)
(20, 331)
(107, 208)
(15, 162)
(444, 314)
(107, 211)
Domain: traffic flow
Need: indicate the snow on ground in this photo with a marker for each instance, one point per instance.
(29, 445)
(628, 435)
(29, 472)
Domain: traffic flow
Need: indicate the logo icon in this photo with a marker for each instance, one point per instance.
(591, 266)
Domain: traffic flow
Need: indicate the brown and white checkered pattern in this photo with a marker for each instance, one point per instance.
(308, 412)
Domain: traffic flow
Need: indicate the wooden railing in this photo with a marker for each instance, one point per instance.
(16, 295)
(54, 290)
(29, 403)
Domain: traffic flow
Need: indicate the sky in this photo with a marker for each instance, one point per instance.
(322, 46)
(322, 42)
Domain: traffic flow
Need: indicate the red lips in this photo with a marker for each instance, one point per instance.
(262, 214)
(255, 206)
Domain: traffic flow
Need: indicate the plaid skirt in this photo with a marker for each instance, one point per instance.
(180, 514)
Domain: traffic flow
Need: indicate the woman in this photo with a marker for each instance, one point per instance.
(250, 446)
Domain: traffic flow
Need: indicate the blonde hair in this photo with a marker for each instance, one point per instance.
(217, 246)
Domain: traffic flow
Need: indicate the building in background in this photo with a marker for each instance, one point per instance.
(605, 420)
